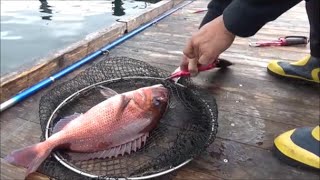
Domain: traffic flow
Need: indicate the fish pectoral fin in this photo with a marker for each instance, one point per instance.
(107, 92)
(123, 103)
(64, 121)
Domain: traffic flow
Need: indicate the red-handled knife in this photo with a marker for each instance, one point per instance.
(220, 63)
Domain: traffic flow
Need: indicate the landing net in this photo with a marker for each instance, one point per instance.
(186, 129)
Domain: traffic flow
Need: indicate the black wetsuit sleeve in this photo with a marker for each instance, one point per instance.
(245, 17)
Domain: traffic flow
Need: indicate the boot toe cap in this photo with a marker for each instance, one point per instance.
(274, 67)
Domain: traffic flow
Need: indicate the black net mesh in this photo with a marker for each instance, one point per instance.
(187, 128)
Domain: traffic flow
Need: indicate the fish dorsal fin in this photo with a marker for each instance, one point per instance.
(122, 149)
(64, 121)
(107, 92)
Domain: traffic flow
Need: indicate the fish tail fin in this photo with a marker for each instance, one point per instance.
(29, 157)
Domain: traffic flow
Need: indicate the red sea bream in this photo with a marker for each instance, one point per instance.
(117, 125)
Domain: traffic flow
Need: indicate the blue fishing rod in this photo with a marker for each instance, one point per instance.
(48, 81)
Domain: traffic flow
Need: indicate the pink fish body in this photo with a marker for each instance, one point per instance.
(118, 125)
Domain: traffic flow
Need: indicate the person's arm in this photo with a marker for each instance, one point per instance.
(245, 17)
(240, 18)
(215, 9)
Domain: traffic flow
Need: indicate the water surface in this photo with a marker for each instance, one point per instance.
(32, 29)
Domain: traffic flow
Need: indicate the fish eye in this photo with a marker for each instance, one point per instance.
(156, 101)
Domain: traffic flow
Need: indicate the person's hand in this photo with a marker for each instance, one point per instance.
(206, 45)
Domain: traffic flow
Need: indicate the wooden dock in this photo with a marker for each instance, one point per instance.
(254, 107)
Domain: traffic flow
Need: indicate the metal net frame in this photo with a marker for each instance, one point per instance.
(186, 129)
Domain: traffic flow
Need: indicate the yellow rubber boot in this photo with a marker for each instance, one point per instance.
(299, 147)
(306, 69)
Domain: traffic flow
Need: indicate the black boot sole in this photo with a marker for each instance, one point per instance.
(291, 162)
(294, 80)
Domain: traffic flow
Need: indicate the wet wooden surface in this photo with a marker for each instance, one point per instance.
(254, 107)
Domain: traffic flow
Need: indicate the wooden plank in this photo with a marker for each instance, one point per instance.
(235, 81)
(249, 130)
(147, 15)
(274, 111)
(238, 52)
(27, 110)
(231, 160)
(10, 172)
(189, 174)
(161, 39)
(17, 133)
(178, 41)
